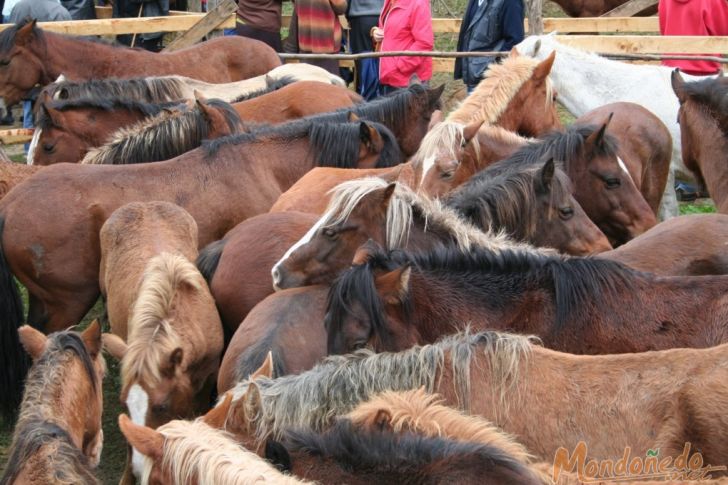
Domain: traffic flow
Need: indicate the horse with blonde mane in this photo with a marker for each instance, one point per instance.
(166, 330)
(58, 436)
(501, 377)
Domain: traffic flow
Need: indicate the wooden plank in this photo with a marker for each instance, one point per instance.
(16, 135)
(103, 12)
(633, 7)
(646, 44)
(126, 26)
(204, 26)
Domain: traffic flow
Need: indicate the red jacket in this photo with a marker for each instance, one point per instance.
(407, 25)
(694, 17)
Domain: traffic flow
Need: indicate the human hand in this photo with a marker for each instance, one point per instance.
(377, 34)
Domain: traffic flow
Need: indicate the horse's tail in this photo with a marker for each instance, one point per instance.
(14, 362)
(209, 258)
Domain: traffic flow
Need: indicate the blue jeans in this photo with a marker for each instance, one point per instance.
(27, 119)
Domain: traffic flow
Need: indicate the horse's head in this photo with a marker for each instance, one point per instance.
(421, 104)
(55, 142)
(447, 157)
(560, 222)
(220, 117)
(608, 193)
(21, 61)
(81, 395)
(368, 305)
(330, 244)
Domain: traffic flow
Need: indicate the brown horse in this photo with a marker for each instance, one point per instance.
(61, 209)
(167, 135)
(704, 129)
(596, 8)
(644, 145)
(31, 56)
(532, 204)
(502, 377)
(68, 129)
(11, 174)
(58, 437)
(577, 305)
(682, 246)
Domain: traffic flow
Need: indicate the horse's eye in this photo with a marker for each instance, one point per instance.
(329, 233)
(463, 143)
(48, 148)
(446, 175)
(4, 62)
(612, 183)
(566, 213)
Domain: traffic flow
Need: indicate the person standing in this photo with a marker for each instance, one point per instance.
(260, 20)
(151, 41)
(404, 25)
(488, 26)
(363, 16)
(319, 30)
(693, 17)
(80, 9)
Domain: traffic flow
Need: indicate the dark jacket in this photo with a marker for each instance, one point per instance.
(41, 10)
(495, 25)
(150, 8)
(80, 9)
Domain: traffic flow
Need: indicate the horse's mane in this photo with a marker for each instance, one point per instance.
(196, 453)
(35, 428)
(407, 455)
(577, 283)
(69, 464)
(147, 109)
(7, 36)
(444, 139)
(151, 334)
(504, 197)
(253, 356)
(500, 84)
(313, 398)
(148, 89)
(334, 144)
(405, 206)
(269, 88)
(420, 412)
(162, 137)
(712, 94)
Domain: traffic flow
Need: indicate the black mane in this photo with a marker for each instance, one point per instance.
(106, 104)
(68, 340)
(150, 90)
(576, 283)
(7, 36)
(711, 93)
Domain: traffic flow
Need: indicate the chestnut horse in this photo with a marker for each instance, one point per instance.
(11, 174)
(577, 305)
(32, 56)
(502, 377)
(531, 204)
(58, 437)
(644, 145)
(704, 133)
(68, 130)
(682, 246)
(167, 135)
(166, 330)
(60, 210)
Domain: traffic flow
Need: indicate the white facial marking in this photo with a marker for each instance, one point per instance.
(137, 402)
(624, 167)
(33, 145)
(304, 240)
(427, 165)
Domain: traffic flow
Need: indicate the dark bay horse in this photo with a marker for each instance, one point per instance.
(532, 204)
(704, 132)
(644, 145)
(597, 8)
(577, 305)
(31, 56)
(51, 225)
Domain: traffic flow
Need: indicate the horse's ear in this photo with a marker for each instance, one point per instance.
(202, 105)
(394, 285)
(471, 130)
(514, 52)
(266, 368)
(114, 345)
(678, 85)
(250, 403)
(216, 417)
(278, 456)
(92, 338)
(433, 95)
(597, 138)
(352, 117)
(369, 135)
(383, 420)
(536, 47)
(365, 251)
(543, 69)
(26, 33)
(34, 342)
(54, 115)
(145, 440)
(547, 174)
(414, 79)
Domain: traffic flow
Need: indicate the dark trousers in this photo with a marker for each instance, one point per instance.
(360, 39)
(273, 39)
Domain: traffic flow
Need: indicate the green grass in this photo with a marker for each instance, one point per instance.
(700, 206)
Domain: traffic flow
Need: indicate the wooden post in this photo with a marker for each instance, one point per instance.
(631, 8)
(194, 6)
(534, 13)
(204, 26)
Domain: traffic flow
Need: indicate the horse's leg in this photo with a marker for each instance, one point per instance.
(668, 205)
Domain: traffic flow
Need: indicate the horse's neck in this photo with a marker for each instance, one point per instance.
(713, 166)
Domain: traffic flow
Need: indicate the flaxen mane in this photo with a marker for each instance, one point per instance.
(196, 453)
(148, 90)
(36, 428)
(162, 137)
(444, 140)
(334, 387)
(151, 334)
(407, 208)
(500, 84)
